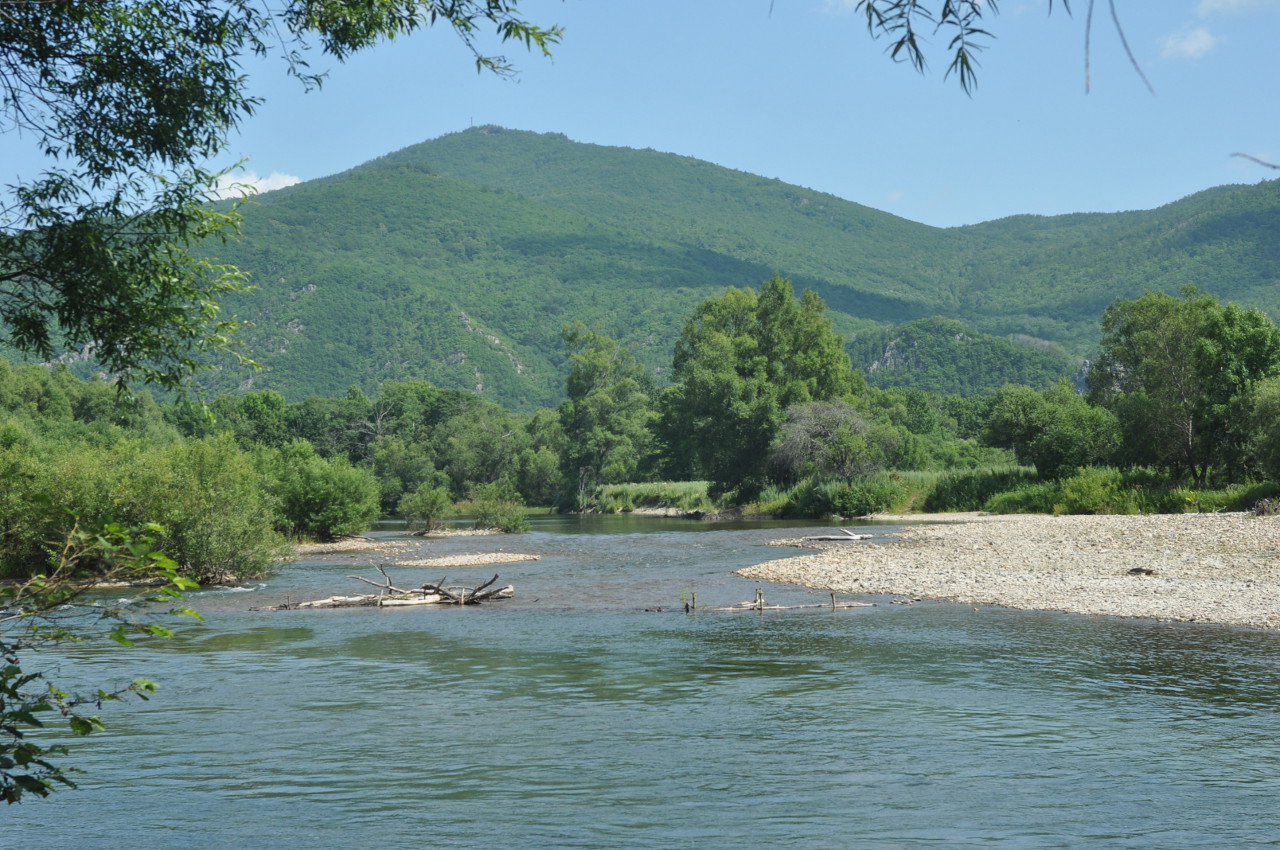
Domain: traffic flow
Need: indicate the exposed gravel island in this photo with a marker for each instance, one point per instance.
(1213, 568)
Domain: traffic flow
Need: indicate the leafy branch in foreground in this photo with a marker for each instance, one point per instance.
(54, 608)
(901, 21)
(128, 100)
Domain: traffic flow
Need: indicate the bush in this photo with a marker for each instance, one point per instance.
(1030, 498)
(215, 511)
(321, 498)
(211, 504)
(1095, 490)
(970, 491)
(679, 495)
(861, 497)
(498, 506)
(425, 506)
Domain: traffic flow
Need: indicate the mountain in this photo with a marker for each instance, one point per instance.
(458, 261)
(946, 356)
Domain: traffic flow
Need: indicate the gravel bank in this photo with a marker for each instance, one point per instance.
(1213, 568)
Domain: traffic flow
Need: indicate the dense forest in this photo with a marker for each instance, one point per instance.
(459, 260)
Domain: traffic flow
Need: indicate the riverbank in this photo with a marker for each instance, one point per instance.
(1213, 568)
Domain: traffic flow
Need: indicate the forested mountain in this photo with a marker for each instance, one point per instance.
(946, 356)
(459, 260)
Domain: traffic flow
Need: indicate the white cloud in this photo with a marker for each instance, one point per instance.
(249, 183)
(1189, 44)
(1232, 7)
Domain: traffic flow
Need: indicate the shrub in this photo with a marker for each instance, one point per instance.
(1095, 490)
(1037, 497)
(970, 490)
(498, 506)
(426, 506)
(321, 498)
(860, 497)
(213, 507)
(679, 495)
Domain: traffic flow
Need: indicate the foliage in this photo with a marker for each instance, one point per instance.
(425, 507)
(498, 506)
(900, 21)
(53, 607)
(1055, 430)
(1180, 374)
(741, 361)
(687, 496)
(1265, 428)
(401, 469)
(607, 415)
(826, 439)
(214, 507)
(970, 490)
(213, 515)
(856, 498)
(1095, 490)
(1036, 497)
(481, 445)
(320, 498)
(947, 356)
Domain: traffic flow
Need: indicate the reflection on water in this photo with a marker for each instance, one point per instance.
(570, 717)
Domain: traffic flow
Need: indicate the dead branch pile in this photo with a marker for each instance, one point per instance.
(389, 595)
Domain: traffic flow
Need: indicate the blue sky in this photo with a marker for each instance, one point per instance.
(795, 89)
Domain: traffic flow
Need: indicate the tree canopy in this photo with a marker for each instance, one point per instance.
(1180, 373)
(129, 100)
(741, 361)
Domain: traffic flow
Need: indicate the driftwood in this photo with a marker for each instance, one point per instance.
(390, 596)
(844, 535)
(758, 605)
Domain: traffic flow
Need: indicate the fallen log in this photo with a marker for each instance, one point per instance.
(844, 536)
(758, 605)
(390, 596)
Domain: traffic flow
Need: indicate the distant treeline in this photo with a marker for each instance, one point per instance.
(764, 406)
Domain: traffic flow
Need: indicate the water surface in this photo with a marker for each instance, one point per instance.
(572, 717)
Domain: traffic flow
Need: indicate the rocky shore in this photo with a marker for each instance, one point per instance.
(1213, 568)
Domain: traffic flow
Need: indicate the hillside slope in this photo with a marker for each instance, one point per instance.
(459, 260)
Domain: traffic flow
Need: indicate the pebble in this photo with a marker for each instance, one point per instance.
(1219, 568)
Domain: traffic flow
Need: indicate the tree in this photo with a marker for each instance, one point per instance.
(827, 439)
(426, 506)
(1265, 443)
(321, 498)
(1055, 430)
(129, 99)
(740, 362)
(481, 445)
(606, 418)
(1180, 374)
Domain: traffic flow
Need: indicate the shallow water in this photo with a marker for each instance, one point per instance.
(571, 717)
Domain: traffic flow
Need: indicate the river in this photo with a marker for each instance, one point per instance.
(572, 717)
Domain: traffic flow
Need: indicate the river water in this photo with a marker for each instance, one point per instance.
(572, 717)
